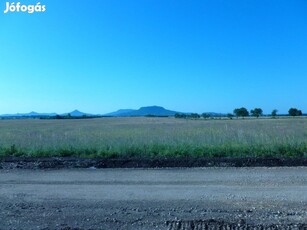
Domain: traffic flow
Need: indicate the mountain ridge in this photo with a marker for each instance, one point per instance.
(142, 111)
(75, 113)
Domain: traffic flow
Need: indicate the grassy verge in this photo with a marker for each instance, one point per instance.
(163, 151)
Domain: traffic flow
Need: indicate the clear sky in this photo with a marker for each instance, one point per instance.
(191, 56)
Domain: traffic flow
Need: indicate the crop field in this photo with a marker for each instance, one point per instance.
(150, 137)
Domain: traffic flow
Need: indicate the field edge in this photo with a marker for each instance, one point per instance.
(137, 162)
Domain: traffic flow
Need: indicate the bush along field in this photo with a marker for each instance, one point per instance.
(154, 137)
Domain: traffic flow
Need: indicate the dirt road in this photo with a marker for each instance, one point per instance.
(153, 198)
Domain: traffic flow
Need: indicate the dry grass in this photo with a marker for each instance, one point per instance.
(141, 136)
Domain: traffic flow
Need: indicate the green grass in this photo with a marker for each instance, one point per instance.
(149, 137)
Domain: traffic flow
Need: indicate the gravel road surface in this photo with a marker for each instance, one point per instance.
(187, 198)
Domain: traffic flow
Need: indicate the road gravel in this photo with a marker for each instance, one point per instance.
(174, 198)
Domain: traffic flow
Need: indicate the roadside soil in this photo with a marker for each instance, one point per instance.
(137, 162)
(173, 198)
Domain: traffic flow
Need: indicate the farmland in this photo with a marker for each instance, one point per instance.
(151, 137)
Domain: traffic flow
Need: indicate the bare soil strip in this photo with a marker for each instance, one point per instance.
(158, 162)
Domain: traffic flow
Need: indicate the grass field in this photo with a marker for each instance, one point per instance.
(148, 137)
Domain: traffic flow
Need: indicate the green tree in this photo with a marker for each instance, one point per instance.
(256, 112)
(274, 113)
(180, 115)
(195, 115)
(206, 115)
(241, 112)
(230, 116)
(295, 112)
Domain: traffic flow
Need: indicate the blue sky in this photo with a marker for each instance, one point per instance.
(195, 56)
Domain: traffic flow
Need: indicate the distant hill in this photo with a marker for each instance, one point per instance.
(119, 112)
(143, 111)
(76, 113)
(31, 114)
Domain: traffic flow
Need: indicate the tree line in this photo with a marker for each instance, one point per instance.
(240, 112)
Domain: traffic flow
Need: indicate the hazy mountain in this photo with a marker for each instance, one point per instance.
(77, 113)
(143, 111)
(31, 114)
(119, 112)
